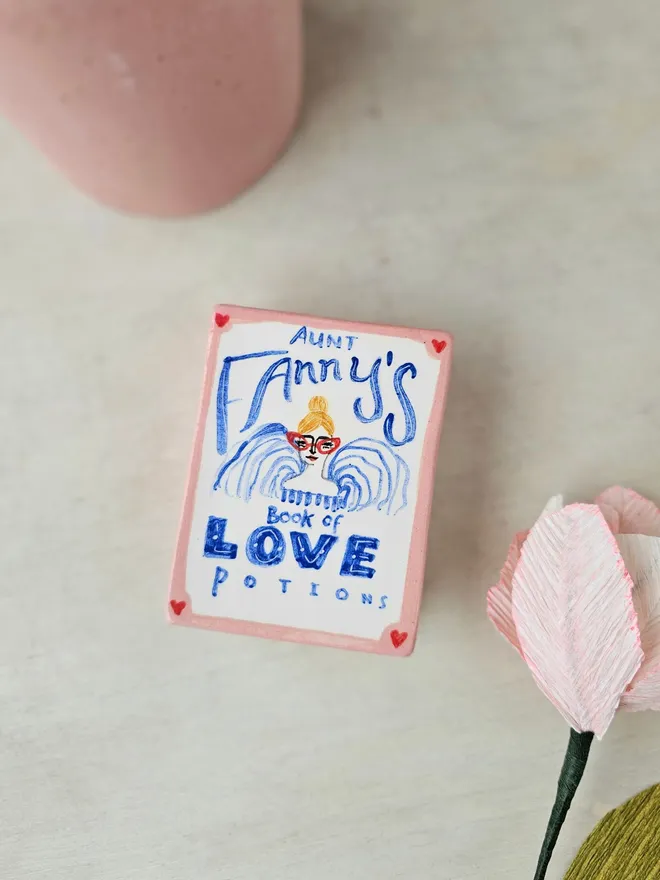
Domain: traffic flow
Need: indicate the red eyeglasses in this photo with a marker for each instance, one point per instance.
(322, 445)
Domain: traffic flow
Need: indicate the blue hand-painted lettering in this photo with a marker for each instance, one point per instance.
(324, 366)
(255, 548)
(358, 550)
(260, 392)
(222, 397)
(214, 542)
(300, 372)
(307, 556)
(299, 334)
(298, 375)
(303, 518)
(221, 575)
(290, 586)
(331, 341)
(372, 378)
(406, 406)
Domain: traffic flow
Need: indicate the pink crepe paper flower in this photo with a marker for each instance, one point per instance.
(579, 599)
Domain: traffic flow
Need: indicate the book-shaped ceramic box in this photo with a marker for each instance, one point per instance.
(307, 511)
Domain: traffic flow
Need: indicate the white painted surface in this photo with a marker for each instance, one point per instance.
(492, 169)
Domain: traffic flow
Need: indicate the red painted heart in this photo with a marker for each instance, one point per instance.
(398, 638)
(177, 607)
(439, 344)
(221, 320)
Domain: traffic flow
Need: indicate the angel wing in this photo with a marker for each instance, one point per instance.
(368, 472)
(261, 463)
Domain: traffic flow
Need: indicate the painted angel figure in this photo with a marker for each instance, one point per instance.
(310, 466)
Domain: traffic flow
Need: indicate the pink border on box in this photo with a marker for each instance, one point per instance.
(399, 639)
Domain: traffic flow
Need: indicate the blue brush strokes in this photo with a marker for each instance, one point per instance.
(262, 463)
(366, 472)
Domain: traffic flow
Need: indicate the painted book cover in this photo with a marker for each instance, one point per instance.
(308, 503)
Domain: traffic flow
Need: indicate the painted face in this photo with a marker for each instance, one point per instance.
(312, 446)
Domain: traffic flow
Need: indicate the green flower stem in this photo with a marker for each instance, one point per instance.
(575, 761)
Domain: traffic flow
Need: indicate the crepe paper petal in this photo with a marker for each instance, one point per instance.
(644, 692)
(554, 504)
(625, 844)
(574, 616)
(499, 596)
(641, 555)
(611, 517)
(638, 515)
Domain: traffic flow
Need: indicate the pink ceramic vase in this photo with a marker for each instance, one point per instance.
(159, 107)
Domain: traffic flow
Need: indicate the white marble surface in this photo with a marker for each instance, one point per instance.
(490, 168)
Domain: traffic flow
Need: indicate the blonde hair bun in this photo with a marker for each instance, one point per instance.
(317, 417)
(318, 404)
